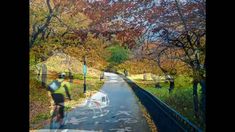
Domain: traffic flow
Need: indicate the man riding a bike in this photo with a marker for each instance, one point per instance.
(59, 94)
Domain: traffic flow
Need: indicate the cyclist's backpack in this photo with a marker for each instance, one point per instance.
(53, 86)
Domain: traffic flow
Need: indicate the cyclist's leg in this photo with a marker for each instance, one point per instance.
(59, 101)
(61, 108)
(61, 111)
(55, 100)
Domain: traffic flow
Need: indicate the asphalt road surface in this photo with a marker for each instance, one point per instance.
(119, 113)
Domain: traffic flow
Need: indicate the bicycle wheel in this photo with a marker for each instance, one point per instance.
(55, 124)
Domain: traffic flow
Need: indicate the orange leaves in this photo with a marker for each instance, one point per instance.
(135, 66)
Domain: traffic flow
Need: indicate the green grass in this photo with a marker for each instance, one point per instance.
(181, 99)
(81, 77)
(78, 76)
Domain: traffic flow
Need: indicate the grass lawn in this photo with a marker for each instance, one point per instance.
(181, 99)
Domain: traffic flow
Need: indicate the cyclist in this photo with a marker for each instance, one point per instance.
(58, 96)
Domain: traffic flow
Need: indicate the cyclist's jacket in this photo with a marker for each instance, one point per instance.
(61, 89)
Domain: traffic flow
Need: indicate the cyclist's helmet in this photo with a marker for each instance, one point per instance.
(62, 75)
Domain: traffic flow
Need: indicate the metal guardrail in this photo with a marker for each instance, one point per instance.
(165, 118)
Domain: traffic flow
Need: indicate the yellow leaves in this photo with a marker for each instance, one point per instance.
(38, 10)
(140, 66)
(39, 101)
(70, 18)
(75, 20)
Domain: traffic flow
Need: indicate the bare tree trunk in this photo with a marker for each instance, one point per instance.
(43, 34)
(49, 32)
(195, 98)
(203, 99)
(171, 79)
(172, 85)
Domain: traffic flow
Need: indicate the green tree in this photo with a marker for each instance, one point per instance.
(118, 54)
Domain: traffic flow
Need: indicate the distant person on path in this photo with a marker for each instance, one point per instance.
(125, 73)
(144, 76)
(172, 83)
(59, 93)
(101, 76)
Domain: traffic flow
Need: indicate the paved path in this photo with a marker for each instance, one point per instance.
(119, 113)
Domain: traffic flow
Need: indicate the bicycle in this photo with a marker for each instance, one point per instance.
(56, 122)
(55, 119)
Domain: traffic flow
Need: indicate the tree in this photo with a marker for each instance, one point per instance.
(118, 54)
(176, 27)
(179, 27)
(55, 19)
(40, 25)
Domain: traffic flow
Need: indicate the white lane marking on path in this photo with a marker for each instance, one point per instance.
(76, 121)
(122, 113)
(126, 129)
(125, 120)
